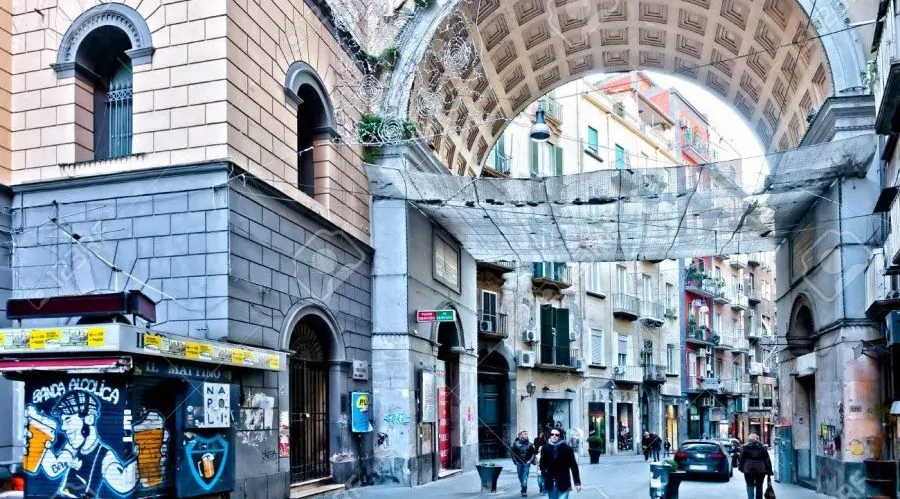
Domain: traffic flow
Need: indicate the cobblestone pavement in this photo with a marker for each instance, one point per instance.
(613, 478)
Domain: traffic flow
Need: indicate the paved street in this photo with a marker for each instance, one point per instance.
(614, 478)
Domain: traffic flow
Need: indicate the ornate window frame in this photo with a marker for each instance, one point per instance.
(300, 73)
(108, 14)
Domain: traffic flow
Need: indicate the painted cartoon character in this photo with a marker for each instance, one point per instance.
(85, 462)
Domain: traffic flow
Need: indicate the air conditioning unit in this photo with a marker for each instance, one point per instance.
(619, 370)
(526, 358)
(487, 326)
(528, 336)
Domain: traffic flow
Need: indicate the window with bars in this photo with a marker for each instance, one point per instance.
(113, 127)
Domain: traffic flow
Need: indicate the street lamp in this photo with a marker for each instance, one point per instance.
(540, 132)
(530, 388)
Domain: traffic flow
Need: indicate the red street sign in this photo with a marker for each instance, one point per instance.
(426, 315)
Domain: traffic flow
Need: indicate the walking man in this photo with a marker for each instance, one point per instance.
(645, 445)
(557, 461)
(655, 446)
(523, 453)
(755, 465)
(668, 446)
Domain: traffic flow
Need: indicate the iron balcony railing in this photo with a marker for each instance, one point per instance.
(553, 271)
(654, 373)
(738, 299)
(628, 374)
(703, 287)
(559, 356)
(629, 304)
(492, 324)
(652, 310)
(698, 334)
(552, 108)
(738, 261)
(671, 389)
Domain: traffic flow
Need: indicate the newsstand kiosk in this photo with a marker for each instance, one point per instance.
(113, 410)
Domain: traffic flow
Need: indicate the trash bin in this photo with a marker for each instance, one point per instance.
(489, 475)
(659, 478)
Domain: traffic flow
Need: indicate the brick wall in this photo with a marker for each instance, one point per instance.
(5, 92)
(179, 99)
(264, 38)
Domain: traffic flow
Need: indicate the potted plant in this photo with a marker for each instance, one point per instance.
(595, 444)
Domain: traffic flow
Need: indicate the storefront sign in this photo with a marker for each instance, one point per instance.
(216, 405)
(200, 350)
(40, 340)
(359, 421)
(435, 316)
(428, 397)
(175, 369)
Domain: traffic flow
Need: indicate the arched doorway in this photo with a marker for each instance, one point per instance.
(801, 329)
(494, 418)
(448, 337)
(309, 401)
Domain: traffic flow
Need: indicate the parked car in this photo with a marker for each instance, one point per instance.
(732, 448)
(705, 457)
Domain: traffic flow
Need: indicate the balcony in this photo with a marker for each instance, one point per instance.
(549, 275)
(628, 374)
(671, 389)
(739, 300)
(880, 296)
(719, 295)
(498, 268)
(552, 109)
(735, 387)
(558, 358)
(492, 326)
(722, 341)
(654, 374)
(701, 287)
(652, 313)
(697, 383)
(755, 259)
(699, 335)
(738, 261)
(740, 345)
(757, 369)
(754, 296)
(626, 306)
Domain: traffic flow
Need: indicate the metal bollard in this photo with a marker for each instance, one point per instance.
(659, 479)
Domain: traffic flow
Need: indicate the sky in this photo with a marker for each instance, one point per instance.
(726, 120)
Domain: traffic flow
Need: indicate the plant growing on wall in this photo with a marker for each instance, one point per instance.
(374, 132)
(384, 60)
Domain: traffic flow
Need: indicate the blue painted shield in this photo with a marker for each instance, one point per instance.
(207, 458)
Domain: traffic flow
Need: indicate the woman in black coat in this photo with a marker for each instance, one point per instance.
(755, 465)
(557, 461)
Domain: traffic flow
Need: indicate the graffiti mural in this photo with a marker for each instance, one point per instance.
(76, 445)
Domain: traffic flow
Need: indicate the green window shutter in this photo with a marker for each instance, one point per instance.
(593, 139)
(563, 354)
(558, 160)
(535, 167)
(620, 157)
(547, 324)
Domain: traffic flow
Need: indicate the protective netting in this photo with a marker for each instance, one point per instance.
(631, 214)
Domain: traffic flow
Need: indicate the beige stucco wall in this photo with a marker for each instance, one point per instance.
(213, 91)
(5, 91)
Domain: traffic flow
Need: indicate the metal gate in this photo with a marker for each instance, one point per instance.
(309, 407)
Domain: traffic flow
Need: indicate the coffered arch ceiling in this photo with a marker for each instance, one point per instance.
(489, 59)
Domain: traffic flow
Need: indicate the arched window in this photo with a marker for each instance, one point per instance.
(100, 48)
(315, 119)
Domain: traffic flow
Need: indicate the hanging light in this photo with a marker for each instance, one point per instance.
(540, 132)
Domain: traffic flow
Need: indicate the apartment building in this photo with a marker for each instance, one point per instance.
(171, 154)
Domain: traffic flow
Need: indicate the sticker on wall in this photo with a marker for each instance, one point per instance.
(216, 405)
(74, 440)
(284, 438)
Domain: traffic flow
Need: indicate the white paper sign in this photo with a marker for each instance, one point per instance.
(216, 405)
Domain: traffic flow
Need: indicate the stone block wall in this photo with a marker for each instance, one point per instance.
(5, 92)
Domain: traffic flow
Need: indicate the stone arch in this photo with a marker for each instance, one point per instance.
(310, 309)
(436, 326)
(115, 15)
(301, 76)
(801, 327)
(511, 80)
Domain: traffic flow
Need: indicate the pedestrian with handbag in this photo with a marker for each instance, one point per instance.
(523, 454)
(557, 461)
(756, 466)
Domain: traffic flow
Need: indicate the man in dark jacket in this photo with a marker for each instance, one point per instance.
(655, 445)
(523, 452)
(755, 465)
(557, 460)
(645, 445)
